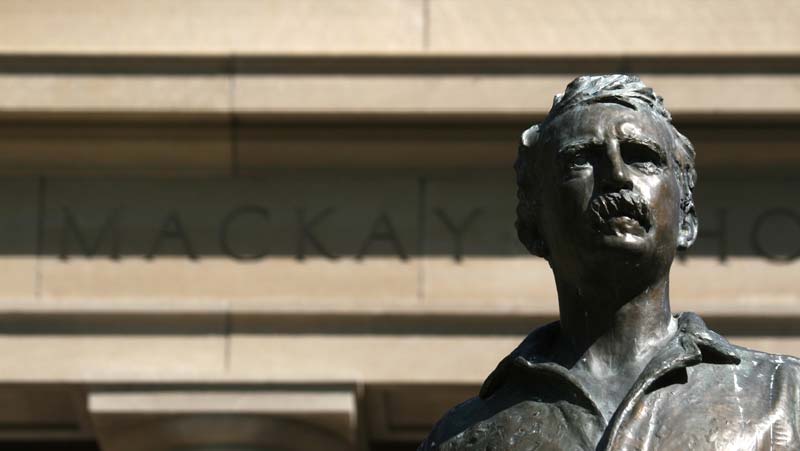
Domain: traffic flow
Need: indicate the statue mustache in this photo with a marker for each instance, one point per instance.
(621, 203)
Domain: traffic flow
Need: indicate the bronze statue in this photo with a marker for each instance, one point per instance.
(605, 195)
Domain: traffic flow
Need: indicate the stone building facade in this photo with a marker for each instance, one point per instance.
(288, 224)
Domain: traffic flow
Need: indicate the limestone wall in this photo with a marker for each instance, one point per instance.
(299, 214)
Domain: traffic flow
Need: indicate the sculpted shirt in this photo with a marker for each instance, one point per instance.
(698, 393)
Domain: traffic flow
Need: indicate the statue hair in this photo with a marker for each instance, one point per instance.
(625, 90)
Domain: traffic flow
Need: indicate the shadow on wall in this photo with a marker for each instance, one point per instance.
(352, 215)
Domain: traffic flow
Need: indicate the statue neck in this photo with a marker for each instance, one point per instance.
(611, 329)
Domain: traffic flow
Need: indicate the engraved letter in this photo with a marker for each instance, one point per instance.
(305, 233)
(224, 241)
(172, 228)
(89, 249)
(457, 230)
(755, 235)
(382, 230)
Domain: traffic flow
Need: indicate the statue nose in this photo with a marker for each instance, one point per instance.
(615, 174)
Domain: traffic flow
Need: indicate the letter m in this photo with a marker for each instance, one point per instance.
(71, 231)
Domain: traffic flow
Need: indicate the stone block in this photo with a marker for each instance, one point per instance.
(114, 149)
(368, 358)
(52, 94)
(613, 28)
(264, 148)
(19, 201)
(283, 242)
(165, 27)
(80, 358)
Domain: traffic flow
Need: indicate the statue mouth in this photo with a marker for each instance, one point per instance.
(620, 213)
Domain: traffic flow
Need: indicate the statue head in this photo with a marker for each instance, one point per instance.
(606, 171)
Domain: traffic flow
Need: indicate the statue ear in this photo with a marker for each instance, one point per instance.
(526, 199)
(687, 180)
(688, 227)
(530, 136)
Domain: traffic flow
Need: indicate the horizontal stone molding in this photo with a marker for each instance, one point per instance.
(292, 419)
(274, 358)
(410, 27)
(321, 95)
(200, 146)
(288, 402)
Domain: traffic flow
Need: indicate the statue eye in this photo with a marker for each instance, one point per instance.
(579, 161)
(641, 157)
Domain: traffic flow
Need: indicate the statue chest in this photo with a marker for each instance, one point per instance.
(717, 408)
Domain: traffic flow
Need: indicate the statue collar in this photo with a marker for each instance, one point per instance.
(692, 344)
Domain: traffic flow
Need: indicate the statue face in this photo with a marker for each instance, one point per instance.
(609, 194)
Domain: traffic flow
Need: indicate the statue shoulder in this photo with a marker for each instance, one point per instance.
(452, 423)
(787, 370)
(477, 409)
(781, 371)
(787, 363)
(785, 398)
